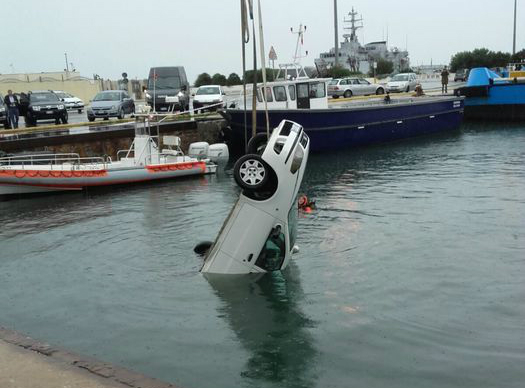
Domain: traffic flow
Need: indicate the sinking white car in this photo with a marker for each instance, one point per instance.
(259, 234)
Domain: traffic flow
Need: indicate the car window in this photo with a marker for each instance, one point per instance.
(355, 82)
(291, 91)
(364, 82)
(107, 96)
(273, 251)
(280, 93)
(343, 82)
(44, 97)
(208, 90)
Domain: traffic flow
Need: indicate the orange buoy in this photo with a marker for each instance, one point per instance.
(20, 173)
(43, 173)
(67, 173)
(32, 173)
(55, 173)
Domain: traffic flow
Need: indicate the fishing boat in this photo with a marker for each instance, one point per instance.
(143, 161)
(353, 123)
(491, 96)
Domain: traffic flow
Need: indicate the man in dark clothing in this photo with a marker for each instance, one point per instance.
(12, 104)
(444, 80)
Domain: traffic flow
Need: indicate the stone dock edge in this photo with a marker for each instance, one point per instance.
(103, 371)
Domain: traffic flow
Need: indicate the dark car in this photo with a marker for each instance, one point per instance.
(42, 105)
(3, 113)
(168, 89)
(461, 75)
(110, 103)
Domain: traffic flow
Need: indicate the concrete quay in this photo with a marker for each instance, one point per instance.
(27, 363)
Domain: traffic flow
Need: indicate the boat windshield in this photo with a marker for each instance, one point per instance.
(111, 96)
(400, 77)
(208, 90)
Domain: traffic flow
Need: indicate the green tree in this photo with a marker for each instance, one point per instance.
(383, 67)
(203, 79)
(519, 56)
(218, 79)
(233, 79)
(270, 75)
(480, 57)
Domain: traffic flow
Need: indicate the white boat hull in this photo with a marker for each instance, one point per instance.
(45, 178)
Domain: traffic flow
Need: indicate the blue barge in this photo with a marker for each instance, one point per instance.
(348, 125)
(489, 96)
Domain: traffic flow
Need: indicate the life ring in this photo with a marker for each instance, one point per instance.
(43, 173)
(89, 173)
(32, 173)
(55, 173)
(20, 173)
(173, 167)
(77, 173)
(67, 173)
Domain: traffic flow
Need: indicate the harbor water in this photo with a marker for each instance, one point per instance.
(410, 274)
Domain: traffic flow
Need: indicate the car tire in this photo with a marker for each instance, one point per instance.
(91, 118)
(257, 144)
(106, 118)
(251, 172)
(64, 118)
(347, 94)
(80, 111)
(121, 114)
(380, 91)
(335, 96)
(29, 121)
(408, 89)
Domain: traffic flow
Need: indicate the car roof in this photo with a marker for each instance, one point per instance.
(208, 86)
(40, 91)
(110, 91)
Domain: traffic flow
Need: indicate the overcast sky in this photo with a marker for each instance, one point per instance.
(108, 37)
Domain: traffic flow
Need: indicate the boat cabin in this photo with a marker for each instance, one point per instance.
(308, 93)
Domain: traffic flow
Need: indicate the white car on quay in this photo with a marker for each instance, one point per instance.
(209, 97)
(71, 102)
(259, 234)
(402, 82)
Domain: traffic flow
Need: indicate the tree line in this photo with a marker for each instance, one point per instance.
(483, 57)
(233, 78)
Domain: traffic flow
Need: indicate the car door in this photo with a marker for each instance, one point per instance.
(366, 87)
(356, 87)
(126, 102)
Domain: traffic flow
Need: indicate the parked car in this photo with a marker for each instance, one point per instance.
(42, 105)
(402, 82)
(110, 103)
(259, 233)
(70, 101)
(168, 89)
(3, 113)
(348, 87)
(461, 75)
(209, 95)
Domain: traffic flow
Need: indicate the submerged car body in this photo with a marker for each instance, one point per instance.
(259, 234)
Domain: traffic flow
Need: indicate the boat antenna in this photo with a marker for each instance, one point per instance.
(514, 36)
(245, 36)
(263, 68)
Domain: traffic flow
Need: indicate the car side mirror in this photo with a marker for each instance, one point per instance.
(193, 94)
(62, 99)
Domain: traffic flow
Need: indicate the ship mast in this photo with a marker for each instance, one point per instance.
(354, 27)
(336, 33)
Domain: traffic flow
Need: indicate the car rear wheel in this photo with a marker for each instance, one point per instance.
(380, 91)
(64, 118)
(257, 144)
(91, 118)
(348, 93)
(335, 96)
(80, 111)
(121, 114)
(251, 172)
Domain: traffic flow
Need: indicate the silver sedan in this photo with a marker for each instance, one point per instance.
(348, 87)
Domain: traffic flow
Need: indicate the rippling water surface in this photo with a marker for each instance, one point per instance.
(411, 273)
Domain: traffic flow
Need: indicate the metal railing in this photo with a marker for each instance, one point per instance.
(54, 160)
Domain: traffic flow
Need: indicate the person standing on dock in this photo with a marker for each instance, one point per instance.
(11, 101)
(444, 80)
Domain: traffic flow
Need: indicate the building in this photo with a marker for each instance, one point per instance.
(355, 57)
